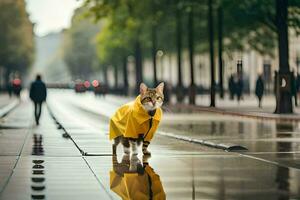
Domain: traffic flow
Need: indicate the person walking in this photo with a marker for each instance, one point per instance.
(259, 89)
(239, 88)
(38, 94)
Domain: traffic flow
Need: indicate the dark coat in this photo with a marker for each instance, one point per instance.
(231, 85)
(38, 91)
(293, 85)
(239, 87)
(259, 89)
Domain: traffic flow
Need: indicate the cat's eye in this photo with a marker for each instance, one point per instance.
(159, 98)
(147, 99)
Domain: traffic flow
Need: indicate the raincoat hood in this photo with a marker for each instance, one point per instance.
(132, 120)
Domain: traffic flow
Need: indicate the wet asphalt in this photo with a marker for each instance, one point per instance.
(69, 156)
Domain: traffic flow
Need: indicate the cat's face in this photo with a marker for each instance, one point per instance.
(152, 98)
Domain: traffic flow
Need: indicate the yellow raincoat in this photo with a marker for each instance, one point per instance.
(137, 187)
(132, 120)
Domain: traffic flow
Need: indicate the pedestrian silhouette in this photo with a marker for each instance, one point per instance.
(239, 88)
(17, 87)
(38, 94)
(259, 89)
(231, 86)
(298, 84)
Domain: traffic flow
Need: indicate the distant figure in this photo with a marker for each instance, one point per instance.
(17, 87)
(38, 94)
(259, 89)
(239, 88)
(167, 93)
(231, 86)
(298, 85)
(9, 88)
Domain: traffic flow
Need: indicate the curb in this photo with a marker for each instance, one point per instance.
(230, 147)
(6, 109)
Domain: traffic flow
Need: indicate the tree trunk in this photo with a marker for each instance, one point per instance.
(138, 66)
(192, 89)
(220, 50)
(179, 92)
(105, 76)
(1, 79)
(116, 77)
(125, 75)
(154, 41)
(283, 94)
(211, 52)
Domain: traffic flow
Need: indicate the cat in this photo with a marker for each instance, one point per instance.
(137, 121)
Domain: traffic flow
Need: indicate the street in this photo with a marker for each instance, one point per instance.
(214, 88)
(37, 162)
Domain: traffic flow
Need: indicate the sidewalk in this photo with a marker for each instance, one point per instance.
(7, 104)
(248, 107)
(36, 162)
(4, 99)
(39, 163)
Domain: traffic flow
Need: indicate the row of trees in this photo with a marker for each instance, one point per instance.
(80, 53)
(140, 28)
(16, 38)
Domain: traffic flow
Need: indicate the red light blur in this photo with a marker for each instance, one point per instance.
(87, 84)
(95, 83)
(17, 81)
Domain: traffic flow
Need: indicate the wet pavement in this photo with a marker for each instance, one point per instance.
(69, 156)
(4, 99)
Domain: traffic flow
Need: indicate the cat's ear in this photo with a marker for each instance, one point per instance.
(160, 87)
(143, 88)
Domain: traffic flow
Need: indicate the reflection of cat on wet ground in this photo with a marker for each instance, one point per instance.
(127, 165)
(137, 121)
(132, 179)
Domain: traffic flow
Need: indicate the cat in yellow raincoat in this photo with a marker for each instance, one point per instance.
(137, 121)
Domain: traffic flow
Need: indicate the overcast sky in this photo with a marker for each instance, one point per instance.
(51, 15)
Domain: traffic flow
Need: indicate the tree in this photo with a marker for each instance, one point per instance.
(192, 93)
(284, 98)
(16, 37)
(80, 45)
(211, 54)
(150, 25)
(113, 49)
(220, 50)
(267, 22)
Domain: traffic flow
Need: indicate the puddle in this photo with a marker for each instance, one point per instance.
(255, 135)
